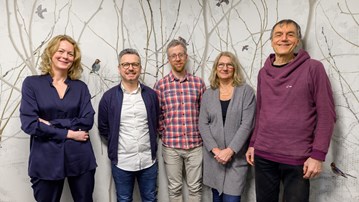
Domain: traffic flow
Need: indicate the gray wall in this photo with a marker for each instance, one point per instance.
(103, 28)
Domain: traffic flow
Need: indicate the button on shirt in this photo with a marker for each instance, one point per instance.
(52, 155)
(180, 102)
(134, 151)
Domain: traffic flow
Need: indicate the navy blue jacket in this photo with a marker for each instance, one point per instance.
(109, 117)
(52, 156)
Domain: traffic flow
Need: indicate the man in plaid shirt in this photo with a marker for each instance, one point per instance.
(180, 96)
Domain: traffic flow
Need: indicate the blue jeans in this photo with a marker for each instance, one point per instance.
(125, 181)
(224, 197)
(269, 174)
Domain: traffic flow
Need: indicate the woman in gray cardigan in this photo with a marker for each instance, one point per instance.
(226, 121)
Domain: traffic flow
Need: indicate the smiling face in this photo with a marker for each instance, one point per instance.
(225, 69)
(285, 39)
(130, 68)
(178, 58)
(63, 58)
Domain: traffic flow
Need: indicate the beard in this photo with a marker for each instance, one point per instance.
(179, 68)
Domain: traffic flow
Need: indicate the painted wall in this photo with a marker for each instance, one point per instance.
(104, 27)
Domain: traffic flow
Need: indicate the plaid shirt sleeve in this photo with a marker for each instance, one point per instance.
(158, 90)
(180, 104)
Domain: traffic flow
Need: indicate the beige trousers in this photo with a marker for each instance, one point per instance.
(191, 160)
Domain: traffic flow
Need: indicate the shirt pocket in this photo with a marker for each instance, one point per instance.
(171, 100)
(191, 95)
(181, 99)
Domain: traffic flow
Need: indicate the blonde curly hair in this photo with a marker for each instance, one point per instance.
(46, 58)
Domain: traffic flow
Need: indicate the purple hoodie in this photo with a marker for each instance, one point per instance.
(295, 113)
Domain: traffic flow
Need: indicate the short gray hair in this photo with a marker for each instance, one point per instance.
(129, 51)
(285, 22)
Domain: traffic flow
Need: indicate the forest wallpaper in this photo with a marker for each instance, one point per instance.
(103, 28)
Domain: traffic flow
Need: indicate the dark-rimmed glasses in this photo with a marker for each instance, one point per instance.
(127, 65)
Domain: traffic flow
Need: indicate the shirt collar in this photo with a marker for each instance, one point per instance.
(138, 89)
(173, 78)
(48, 77)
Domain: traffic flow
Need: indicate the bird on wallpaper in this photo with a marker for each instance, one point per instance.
(221, 1)
(245, 47)
(40, 11)
(95, 66)
(338, 172)
(183, 40)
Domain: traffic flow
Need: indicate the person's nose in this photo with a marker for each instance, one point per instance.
(284, 37)
(178, 57)
(65, 55)
(225, 67)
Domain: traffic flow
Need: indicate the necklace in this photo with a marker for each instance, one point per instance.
(225, 93)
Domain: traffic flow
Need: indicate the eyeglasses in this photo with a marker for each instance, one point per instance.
(222, 65)
(127, 65)
(174, 56)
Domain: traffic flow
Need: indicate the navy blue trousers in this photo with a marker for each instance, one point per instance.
(81, 188)
(224, 197)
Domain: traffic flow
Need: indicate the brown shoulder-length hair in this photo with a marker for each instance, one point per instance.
(238, 78)
(45, 66)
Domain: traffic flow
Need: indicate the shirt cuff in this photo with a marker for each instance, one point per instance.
(318, 155)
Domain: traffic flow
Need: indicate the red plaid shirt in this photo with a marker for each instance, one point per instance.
(180, 101)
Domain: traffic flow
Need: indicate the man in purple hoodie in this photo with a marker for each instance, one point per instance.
(295, 117)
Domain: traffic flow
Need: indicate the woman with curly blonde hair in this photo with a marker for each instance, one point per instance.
(56, 112)
(75, 70)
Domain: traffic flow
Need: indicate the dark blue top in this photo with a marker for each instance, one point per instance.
(109, 117)
(224, 106)
(52, 156)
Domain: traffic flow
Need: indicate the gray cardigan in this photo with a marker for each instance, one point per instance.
(229, 178)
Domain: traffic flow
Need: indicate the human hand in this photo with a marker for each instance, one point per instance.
(78, 135)
(224, 156)
(250, 156)
(216, 151)
(44, 121)
(312, 168)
